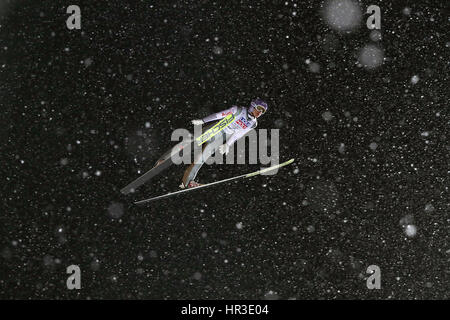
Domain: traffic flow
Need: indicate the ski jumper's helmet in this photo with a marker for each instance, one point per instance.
(259, 105)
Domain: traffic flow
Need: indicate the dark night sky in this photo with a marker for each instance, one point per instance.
(84, 110)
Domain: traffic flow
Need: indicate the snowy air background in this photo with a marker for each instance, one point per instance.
(363, 112)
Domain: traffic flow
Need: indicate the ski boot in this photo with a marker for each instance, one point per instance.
(157, 163)
(192, 184)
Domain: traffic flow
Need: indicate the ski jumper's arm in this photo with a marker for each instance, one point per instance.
(219, 115)
(237, 135)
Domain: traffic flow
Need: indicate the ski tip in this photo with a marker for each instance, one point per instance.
(287, 162)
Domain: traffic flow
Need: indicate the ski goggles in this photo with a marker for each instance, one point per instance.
(260, 109)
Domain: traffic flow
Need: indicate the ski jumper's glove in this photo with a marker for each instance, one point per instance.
(224, 148)
(197, 122)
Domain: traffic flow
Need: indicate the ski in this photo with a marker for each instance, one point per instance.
(219, 126)
(212, 130)
(131, 187)
(248, 175)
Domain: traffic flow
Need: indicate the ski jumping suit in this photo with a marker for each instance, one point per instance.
(242, 124)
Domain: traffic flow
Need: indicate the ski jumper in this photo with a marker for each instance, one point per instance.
(242, 124)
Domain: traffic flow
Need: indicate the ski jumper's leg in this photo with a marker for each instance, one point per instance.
(208, 150)
(191, 172)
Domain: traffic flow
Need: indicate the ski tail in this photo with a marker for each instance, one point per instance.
(166, 163)
(132, 186)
